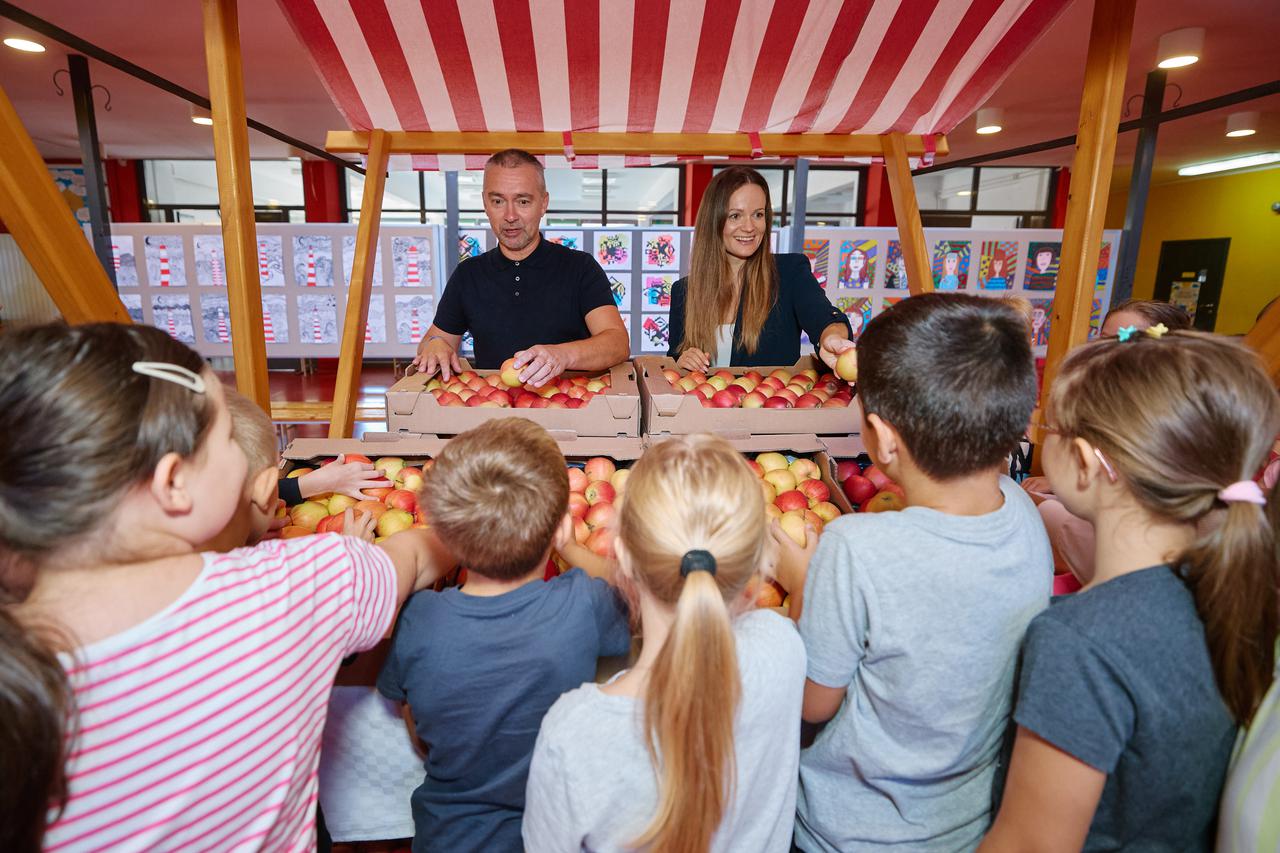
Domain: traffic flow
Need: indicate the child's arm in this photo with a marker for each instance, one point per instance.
(792, 568)
(1049, 800)
(361, 527)
(344, 478)
(419, 559)
(418, 746)
(576, 555)
(820, 701)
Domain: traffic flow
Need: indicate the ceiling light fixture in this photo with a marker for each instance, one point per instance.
(1242, 124)
(1233, 163)
(964, 192)
(990, 120)
(1180, 48)
(200, 116)
(25, 45)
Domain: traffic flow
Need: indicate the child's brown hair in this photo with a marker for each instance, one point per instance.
(253, 431)
(496, 496)
(1180, 418)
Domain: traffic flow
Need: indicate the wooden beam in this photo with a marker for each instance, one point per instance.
(42, 224)
(1265, 338)
(235, 198)
(1100, 103)
(351, 352)
(697, 144)
(915, 252)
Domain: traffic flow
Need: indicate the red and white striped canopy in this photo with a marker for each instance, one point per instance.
(682, 66)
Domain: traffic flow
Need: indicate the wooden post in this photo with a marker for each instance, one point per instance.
(1265, 338)
(235, 198)
(915, 252)
(1104, 75)
(351, 353)
(46, 231)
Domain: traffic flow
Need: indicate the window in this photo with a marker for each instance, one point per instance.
(986, 197)
(833, 196)
(187, 190)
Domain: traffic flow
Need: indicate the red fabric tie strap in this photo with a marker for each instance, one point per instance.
(757, 148)
(568, 146)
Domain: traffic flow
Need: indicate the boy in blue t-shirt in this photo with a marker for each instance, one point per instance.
(479, 665)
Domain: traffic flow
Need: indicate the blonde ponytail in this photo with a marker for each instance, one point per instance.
(686, 495)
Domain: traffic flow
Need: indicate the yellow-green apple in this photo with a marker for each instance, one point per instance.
(619, 480)
(298, 472)
(600, 515)
(810, 372)
(771, 511)
(825, 510)
(389, 466)
(509, 375)
(847, 365)
(393, 521)
(792, 524)
(781, 479)
(782, 376)
(308, 514)
(707, 390)
(768, 491)
(599, 468)
(411, 478)
(815, 490)
(814, 520)
(771, 461)
(339, 503)
(401, 499)
(805, 469)
(792, 500)
(686, 384)
(578, 505)
(599, 492)
(754, 400)
(595, 386)
(467, 375)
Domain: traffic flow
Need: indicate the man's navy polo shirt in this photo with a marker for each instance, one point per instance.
(511, 305)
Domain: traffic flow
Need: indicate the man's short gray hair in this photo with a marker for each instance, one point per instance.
(513, 158)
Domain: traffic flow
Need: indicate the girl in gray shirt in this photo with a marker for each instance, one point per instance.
(697, 746)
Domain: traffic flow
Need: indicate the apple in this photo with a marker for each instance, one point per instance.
(777, 401)
(847, 365)
(894, 488)
(814, 520)
(781, 479)
(308, 514)
(619, 480)
(292, 531)
(845, 469)
(599, 492)
(411, 479)
(809, 372)
(401, 499)
(580, 531)
(467, 375)
(577, 392)
(744, 383)
(600, 515)
(754, 376)
(380, 493)
(794, 499)
(718, 382)
(671, 376)
(858, 489)
(599, 468)
(697, 376)
(475, 401)
(509, 375)
(332, 524)
(389, 466)
(600, 542)
(815, 490)
(808, 401)
(737, 391)
(771, 461)
(575, 403)
(798, 390)
(771, 511)
(878, 477)
(884, 502)
(769, 492)
(805, 469)
(393, 521)
(788, 395)
(835, 403)
(448, 398)
(792, 524)
(356, 457)
(707, 390)
(754, 400)
(524, 400)
(595, 386)
(768, 594)
(781, 375)
(724, 400)
(825, 510)
(374, 508)
(755, 467)
(339, 503)
(578, 505)
(539, 403)
(298, 472)
(687, 384)
(577, 479)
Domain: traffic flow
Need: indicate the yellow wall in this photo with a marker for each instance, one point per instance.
(1236, 206)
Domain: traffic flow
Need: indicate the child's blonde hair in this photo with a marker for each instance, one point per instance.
(253, 432)
(687, 494)
(1180, 418)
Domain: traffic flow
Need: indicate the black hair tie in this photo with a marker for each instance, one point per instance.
(697, 560)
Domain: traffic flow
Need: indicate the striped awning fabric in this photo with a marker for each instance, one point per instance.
(691, 66)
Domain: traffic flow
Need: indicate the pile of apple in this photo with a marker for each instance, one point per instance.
(781, 389)
(504, 390)
(394, 508)
(869, 490)
(593, 489)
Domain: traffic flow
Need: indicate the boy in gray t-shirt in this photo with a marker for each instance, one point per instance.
(912, 620)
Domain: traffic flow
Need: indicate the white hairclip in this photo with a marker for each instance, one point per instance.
(175, 373)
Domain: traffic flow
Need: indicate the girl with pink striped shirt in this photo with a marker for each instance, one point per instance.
(200, 681)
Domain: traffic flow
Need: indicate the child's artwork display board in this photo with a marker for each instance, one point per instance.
(174, 277)
(863, 271)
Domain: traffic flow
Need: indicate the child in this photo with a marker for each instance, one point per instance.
(254, 434)
(713, 703)
(480, 664)
(912, 619)
(1131, 689)
(200, 680)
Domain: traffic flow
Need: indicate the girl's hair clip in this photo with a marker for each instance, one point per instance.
(1124, 333)
(1159, 330)
(175, 373)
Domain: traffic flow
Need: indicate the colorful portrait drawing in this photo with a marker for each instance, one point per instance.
(613, 249)
(1041, 314)
(662, 250)
(657, 291)
(857, 263)
(890, 301)
(568, 239)
(655, 334)
(1042, 265)
(1104, 265)
(1095, 319)
(895, 267)
(998, 264)
(818, 252)
(858, 310)
(950, 264)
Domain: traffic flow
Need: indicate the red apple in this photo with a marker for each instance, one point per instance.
(560, 398)
(754, 400)
(539, 403)
(858, 489)
(878, 477)
(846, 468)
(332, 524)
(671, 376)
(580, 531)
(724, 400)
(599, 492)
(768, 594)
(599, 468)
(755, 467)
(794, 499)
(509, 375)
(402, 499)
(448, 398)
(575, 403)
(815, 490)
(600, 542)
(524, 400)
(788, 395)
(777, 401)
(356, 457)
(379, 493)
(600, 515)
(577, 479)
(808, 401)
(475, 401)
(374, 508)
(578, 505)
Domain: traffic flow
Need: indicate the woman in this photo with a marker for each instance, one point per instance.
(741, 305)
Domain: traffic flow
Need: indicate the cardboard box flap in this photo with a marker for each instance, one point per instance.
(844, 446)
(373, 446)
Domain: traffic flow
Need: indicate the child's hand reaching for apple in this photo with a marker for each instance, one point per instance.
(343, 478)
(359, 524)
(573, 553)
(792, 567)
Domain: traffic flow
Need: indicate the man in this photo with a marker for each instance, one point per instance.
(548, 306)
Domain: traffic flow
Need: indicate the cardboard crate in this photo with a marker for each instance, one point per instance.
(668, 410)
(419, 448)
(611, 413)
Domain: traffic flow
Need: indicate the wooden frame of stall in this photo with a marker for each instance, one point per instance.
(51, 240)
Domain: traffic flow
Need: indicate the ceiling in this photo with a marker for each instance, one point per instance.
(1040, 97)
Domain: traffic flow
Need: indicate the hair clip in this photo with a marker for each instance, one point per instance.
(697, 560)
(1245, 491)
(1159, 330)
(175, 373)
(1125, 332)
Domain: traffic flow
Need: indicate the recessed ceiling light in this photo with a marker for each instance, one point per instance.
(1233, 163)
(1180, 48)
(964, 192)
(200, 116)
(990, 120)
(26, 45)
(1242, 124)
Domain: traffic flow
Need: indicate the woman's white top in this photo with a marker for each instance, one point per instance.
(724, 345)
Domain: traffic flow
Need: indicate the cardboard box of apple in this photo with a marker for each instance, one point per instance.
(868, 488)
(594, 488)
(394, 507)
(502, 389)
(780, 389)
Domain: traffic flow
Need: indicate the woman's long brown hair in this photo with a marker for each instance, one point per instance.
(1180, 418)
(711, 287)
